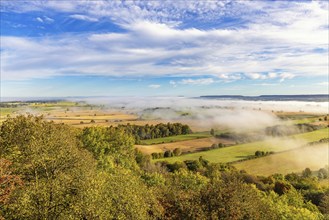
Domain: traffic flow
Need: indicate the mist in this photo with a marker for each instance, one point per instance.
(235, 115)
(313, 157)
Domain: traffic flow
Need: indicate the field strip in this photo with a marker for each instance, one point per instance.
(242, 151)
(185, 146)
(313, 157)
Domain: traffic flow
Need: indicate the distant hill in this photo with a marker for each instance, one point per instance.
(312, 98)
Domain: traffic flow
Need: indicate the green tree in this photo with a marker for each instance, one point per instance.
(168, 153)
(307, 173)
(227, 197)
(46, 157)
(111, 147)
(323, 173)
(177, 152)
(117, 195)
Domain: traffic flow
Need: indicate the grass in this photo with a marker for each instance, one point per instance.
(7, 111)
(176, 138)
(306, 120)
(314, 135)
(242, 151)
(55, 104)
(313, 157)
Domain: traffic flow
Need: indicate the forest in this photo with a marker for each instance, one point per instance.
(56, 171)
(155, 131)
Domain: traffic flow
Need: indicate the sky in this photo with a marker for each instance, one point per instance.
(59, 48)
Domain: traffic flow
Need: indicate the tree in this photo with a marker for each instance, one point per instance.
(324, 204)
(281, 187)
(177, 152)
(46, 157)
(258, 153)
(154, 155)
(193, 165)
(214, 146)
(203, 162)
(110, 146)
(227, 197)
(116, 195)
(212, 132)
(8, 181)
(323, 173)
(168, 153)
(307, 173)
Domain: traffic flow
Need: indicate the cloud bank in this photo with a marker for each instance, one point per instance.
(224, 40)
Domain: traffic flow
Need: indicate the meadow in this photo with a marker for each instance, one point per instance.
(188, 146)
(313, 157)
(243, 151)
(81, 114)
(176, 138)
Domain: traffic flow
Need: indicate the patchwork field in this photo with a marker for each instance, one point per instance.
(242, 151)
(313, 157)
(176, 138)
(185, 146)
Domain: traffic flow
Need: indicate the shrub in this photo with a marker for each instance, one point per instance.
(177, 152)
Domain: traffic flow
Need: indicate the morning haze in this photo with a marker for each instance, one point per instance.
(164, 110)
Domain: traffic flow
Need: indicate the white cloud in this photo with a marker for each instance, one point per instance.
(204, 81)
(284, 76)
(272, 44)
(173, 83)
(48, 19)
(45, 19)
(83, 17)
(39, 19)
(154, 86)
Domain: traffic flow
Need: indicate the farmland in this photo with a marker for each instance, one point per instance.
(177, 138)
(185, 146)
(313, 157)
(242, 151)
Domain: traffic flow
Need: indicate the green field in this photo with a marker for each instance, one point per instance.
(242, 151)
(177, 138)
(314, 135)
(313, 157)
(6, 111)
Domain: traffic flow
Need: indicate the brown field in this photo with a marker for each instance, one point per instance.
(185, 146)
(108, 118)
(313, 157)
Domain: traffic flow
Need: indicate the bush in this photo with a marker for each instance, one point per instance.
(214, 146)
(177, 152)
(168, 153)
(154, 155)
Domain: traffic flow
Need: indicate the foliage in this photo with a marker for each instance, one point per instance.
(176, 138)
(110, 146)
(155, 131)
(49, 163)
(52, 171)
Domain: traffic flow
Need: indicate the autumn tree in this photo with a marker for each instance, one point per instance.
(50, 164)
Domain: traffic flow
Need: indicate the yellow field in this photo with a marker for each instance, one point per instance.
(313, 157)
(185, 146)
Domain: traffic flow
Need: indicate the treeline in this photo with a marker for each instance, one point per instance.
(161, 130)
(240, 137)
(285, 130)
(273, 131)
(54, 171)
(12, 104)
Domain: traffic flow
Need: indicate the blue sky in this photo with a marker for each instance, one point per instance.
(163, 48)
